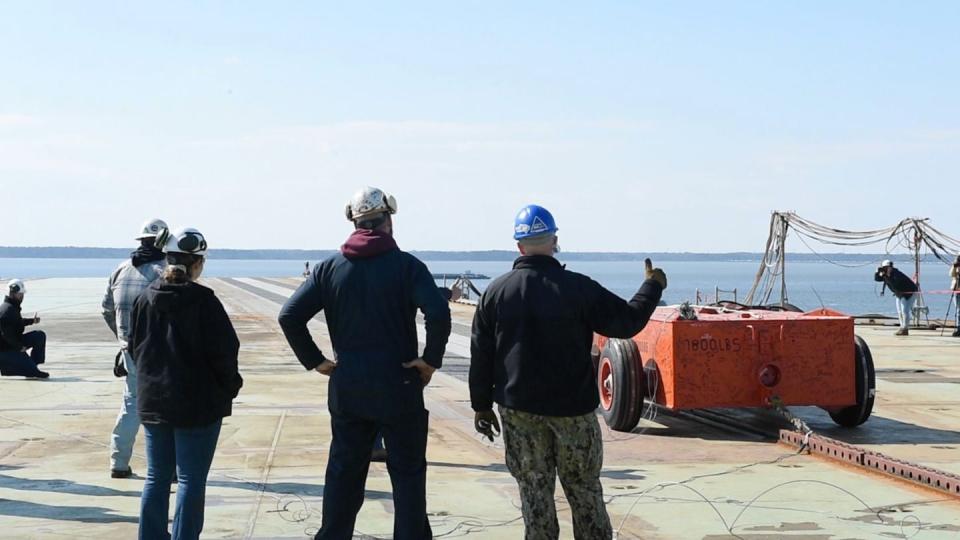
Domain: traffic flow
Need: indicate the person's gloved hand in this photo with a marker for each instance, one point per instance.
(118, 369)
(486, 424)
(655, 274)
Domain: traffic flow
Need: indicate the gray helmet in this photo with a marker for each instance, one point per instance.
(370, 201)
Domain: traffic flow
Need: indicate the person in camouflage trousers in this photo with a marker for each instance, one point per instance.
(540, 448)
(530, 353)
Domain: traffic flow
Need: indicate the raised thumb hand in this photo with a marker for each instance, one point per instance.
(648, 264)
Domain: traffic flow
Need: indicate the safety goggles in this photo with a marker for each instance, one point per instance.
(188, 242)
(192, 242)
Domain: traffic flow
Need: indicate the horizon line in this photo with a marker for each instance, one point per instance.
(460, 251)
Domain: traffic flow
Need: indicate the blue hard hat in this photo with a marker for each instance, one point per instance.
(533, 220)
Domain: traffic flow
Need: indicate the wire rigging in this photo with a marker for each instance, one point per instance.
(914, 235)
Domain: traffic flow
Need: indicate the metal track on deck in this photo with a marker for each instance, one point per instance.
(868, 460)
(863, 459)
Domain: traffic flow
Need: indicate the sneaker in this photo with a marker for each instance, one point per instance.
(378, 455)
(40, 375)
(122, 473)
(902, 332)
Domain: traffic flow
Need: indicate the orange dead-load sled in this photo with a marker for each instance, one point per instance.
(695, 357)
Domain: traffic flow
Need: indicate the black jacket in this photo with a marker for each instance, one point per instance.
(532, 335)
(898, 283)
(11, 325)
(185, 349)
(370, 304)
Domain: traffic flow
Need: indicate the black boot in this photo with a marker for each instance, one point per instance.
(122, 473)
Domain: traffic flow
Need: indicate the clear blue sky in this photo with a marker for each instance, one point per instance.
(667, 126)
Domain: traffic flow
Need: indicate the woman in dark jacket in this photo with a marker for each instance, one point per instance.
(185, 350)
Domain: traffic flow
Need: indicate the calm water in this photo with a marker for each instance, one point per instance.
(851, 290)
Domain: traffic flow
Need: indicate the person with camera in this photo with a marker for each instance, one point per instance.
(126, 283)
(903, 288)
(955, 287)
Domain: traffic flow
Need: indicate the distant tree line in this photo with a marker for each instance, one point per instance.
(490, 255)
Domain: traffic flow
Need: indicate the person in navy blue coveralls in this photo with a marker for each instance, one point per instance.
(370, 293)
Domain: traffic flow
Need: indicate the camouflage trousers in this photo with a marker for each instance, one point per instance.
(540, 448)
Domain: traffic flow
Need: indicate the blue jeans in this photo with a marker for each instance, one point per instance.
(957, 307)
(21, 363)
(128, 421)
(190, 451)
(904, 309)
